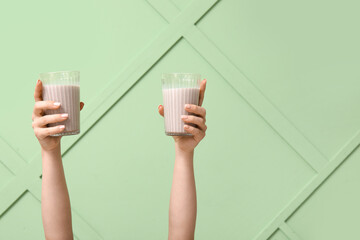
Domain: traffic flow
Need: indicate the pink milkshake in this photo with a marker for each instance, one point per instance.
(69, 97)
(63, 87)
(179, 89)
(174, 106)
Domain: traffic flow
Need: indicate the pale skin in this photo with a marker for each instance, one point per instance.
(55, 202)
(182, 210)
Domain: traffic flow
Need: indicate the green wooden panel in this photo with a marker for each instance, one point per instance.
(139, 184)
(180, 4)
(99, 38)
(22, 222)
(10, 158)
(332, 212)
(281, 100)
(278, 235)
(303, 55)
(5, 175)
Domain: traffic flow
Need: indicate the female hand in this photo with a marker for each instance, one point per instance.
(188, 143)
(39, 124)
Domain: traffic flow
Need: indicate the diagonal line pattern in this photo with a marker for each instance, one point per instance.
(289, 232)
(28, 175)
(11, 159)
(280, 124)
(166, 9)
(276, 120)
(305, 193)
(182, 24)
(251, 94)
(300, 144)
(82, 230)
(17, 186)
(16, 189)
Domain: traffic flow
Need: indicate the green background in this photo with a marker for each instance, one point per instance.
(280, 160)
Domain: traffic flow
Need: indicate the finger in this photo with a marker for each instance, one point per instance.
(191, 108)
(198, 121)
(202, 91)
(54, 118)
(161, 110)
(42, 133)
(197, 133)
(81, 105)
(40, 106)
(38, 91)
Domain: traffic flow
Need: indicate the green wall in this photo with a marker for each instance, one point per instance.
(280, 160)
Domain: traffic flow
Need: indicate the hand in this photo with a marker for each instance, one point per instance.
(42, 132)
(188, 143)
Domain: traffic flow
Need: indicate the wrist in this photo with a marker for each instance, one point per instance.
(185, 154)
(53, 152)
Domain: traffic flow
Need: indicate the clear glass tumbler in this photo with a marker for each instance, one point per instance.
(178, 89)
(63, 87)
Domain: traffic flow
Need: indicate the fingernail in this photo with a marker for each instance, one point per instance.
(62, 126)
(184, 117)
(65, 115)
(37, 81)
(186, 127)
(187, 106)
(56, 104)
(159, 106)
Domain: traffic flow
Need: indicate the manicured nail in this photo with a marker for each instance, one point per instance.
(187, 106)
(184, 117)
(56, 104)
(62, 126)
(65, 115)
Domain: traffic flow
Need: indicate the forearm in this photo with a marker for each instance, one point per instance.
(182, 212)
(55, 202)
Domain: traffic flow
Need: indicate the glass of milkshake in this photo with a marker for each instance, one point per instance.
(178, 90)
(63, 87)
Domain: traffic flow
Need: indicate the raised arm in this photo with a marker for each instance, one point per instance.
(55, 202)
(182, 211)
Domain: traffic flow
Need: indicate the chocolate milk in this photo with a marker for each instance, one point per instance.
(174, 100)
(69, 97)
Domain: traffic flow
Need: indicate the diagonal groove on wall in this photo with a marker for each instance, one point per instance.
(284, 227)
(290, 134)
(17, 186)
(28, 175)
(310, 188)
(300, 144)
(82, 230)
(280, 124)
(166, 9)
(11, 159)
(24, 179)
(271, 115)
(252, 95)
